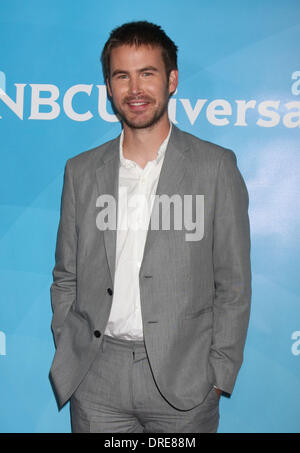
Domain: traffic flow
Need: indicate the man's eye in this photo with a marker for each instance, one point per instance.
(120, 76)
(147, 74)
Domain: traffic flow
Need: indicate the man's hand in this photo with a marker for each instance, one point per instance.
(219, 392)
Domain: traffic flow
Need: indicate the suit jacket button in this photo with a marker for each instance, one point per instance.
(97, 334)
(110, 291)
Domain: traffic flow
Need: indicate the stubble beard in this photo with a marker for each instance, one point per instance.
(147, 123)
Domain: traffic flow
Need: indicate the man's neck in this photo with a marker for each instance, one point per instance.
(142, 145)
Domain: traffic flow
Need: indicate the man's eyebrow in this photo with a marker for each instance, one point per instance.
(148, 68)
(118, 71)
(122, 71)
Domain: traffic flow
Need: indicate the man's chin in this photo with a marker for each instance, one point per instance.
(140, 123)
(137, 125)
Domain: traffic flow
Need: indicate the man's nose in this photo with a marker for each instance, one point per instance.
(135, 85)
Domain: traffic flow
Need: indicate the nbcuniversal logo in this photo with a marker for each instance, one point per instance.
(2, 343)
(2, 82)
(47, 102)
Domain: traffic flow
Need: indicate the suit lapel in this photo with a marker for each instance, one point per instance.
(171, 178)
(170, 182)
(107, 176)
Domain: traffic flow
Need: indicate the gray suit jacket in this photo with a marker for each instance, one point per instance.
(195, 295)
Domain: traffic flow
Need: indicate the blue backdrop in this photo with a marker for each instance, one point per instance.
(239, 87)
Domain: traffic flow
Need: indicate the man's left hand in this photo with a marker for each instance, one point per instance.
(219, 392)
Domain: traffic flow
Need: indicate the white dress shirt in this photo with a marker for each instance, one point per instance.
(137, 188)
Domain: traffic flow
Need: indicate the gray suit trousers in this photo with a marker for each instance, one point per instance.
(119, 394)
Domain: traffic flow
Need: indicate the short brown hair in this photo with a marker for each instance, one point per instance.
(137, 34)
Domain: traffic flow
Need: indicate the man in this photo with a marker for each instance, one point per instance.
(149, 319)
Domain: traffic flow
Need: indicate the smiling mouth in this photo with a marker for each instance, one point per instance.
(138, 106)
(137, 103)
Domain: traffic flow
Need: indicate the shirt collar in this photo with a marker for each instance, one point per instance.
(161, 152)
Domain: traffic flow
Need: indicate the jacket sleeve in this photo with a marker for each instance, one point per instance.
(63, 288)
(232, 273)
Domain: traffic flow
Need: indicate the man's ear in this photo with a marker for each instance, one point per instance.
(173, 81)
(108, 87)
